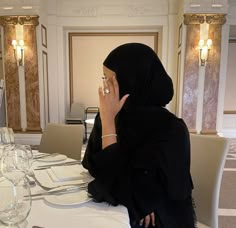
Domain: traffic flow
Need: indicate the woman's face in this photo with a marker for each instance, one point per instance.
(108, 75)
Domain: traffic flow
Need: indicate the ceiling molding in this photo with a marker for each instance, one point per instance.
(22, 20)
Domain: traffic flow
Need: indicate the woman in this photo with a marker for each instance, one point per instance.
(139, 152)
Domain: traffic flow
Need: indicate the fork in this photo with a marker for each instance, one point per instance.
(32, 174)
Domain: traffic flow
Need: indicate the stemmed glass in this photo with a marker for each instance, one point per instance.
(14, 166)
(15, 203)
(29, 154)
(14, 163)
(6, 136)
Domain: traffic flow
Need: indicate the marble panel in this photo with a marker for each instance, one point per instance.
(12, 81)
(211, 87)
(191, 73)
(31, 79)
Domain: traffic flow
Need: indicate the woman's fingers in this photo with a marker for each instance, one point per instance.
(141, 222)
(147, 221)
(153, 219)
(123, 99)
(100, 91)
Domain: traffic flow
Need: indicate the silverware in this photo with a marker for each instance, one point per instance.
(57, 164)
(45, 155)
(57, 191)
(31, 174)
(37, 227)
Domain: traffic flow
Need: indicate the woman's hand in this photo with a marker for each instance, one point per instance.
(147, 220)
(110, 103)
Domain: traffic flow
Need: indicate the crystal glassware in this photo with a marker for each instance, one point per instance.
(15, 203)
(14, 163)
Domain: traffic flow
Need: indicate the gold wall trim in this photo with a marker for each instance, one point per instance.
(22, 20)
(193, 131)
(74, 34)
(192, 19)
(216, 19)
(208, 132)
(230, 112)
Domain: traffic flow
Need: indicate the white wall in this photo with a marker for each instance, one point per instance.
(230, 93)
(88, 54)
(229, 120)
(112, 16)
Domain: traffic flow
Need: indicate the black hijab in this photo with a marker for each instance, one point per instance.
(141, 74)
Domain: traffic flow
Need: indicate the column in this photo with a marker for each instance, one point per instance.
(22, 86)
(201, 83)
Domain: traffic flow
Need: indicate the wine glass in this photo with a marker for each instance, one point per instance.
(5, 136)
(14, 163)
(29, 154)
(15, 203)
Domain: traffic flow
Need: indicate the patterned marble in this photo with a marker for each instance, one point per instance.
(191, 71)
(12, 81)
(31, 76)
(211, 87)
(31, 79)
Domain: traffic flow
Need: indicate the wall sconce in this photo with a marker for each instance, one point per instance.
(18, 51)
(204, 49)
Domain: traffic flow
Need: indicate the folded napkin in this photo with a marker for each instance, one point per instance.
(47, 178)
(66, 173)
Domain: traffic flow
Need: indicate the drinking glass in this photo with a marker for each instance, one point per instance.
(15, 203)
(6, 136)
(29, 154)
(14, 163)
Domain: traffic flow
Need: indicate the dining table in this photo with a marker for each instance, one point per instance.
(73, 209)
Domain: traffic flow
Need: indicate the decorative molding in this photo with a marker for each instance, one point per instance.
(232, 40)
(192, 131)
(87, 12)
(216, 19)
(44, 35)
(141, 10)
(230, 112)
(180, 36)
(45, 85)
(177, 106)
(208, 132)
(191, 19)
(22, 20)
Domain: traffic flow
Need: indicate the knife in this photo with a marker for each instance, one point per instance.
(58, 164)
(59, 191)
(45, 155)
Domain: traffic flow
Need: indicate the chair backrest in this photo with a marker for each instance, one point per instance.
(63, 139)
(208, 154)
(77, 111)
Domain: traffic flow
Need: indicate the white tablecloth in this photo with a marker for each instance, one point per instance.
(86, 215)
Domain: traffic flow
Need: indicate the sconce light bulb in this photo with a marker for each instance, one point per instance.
(209, 43)
(14, 43)
(18, 51)
(21, 43)
(201, 43)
